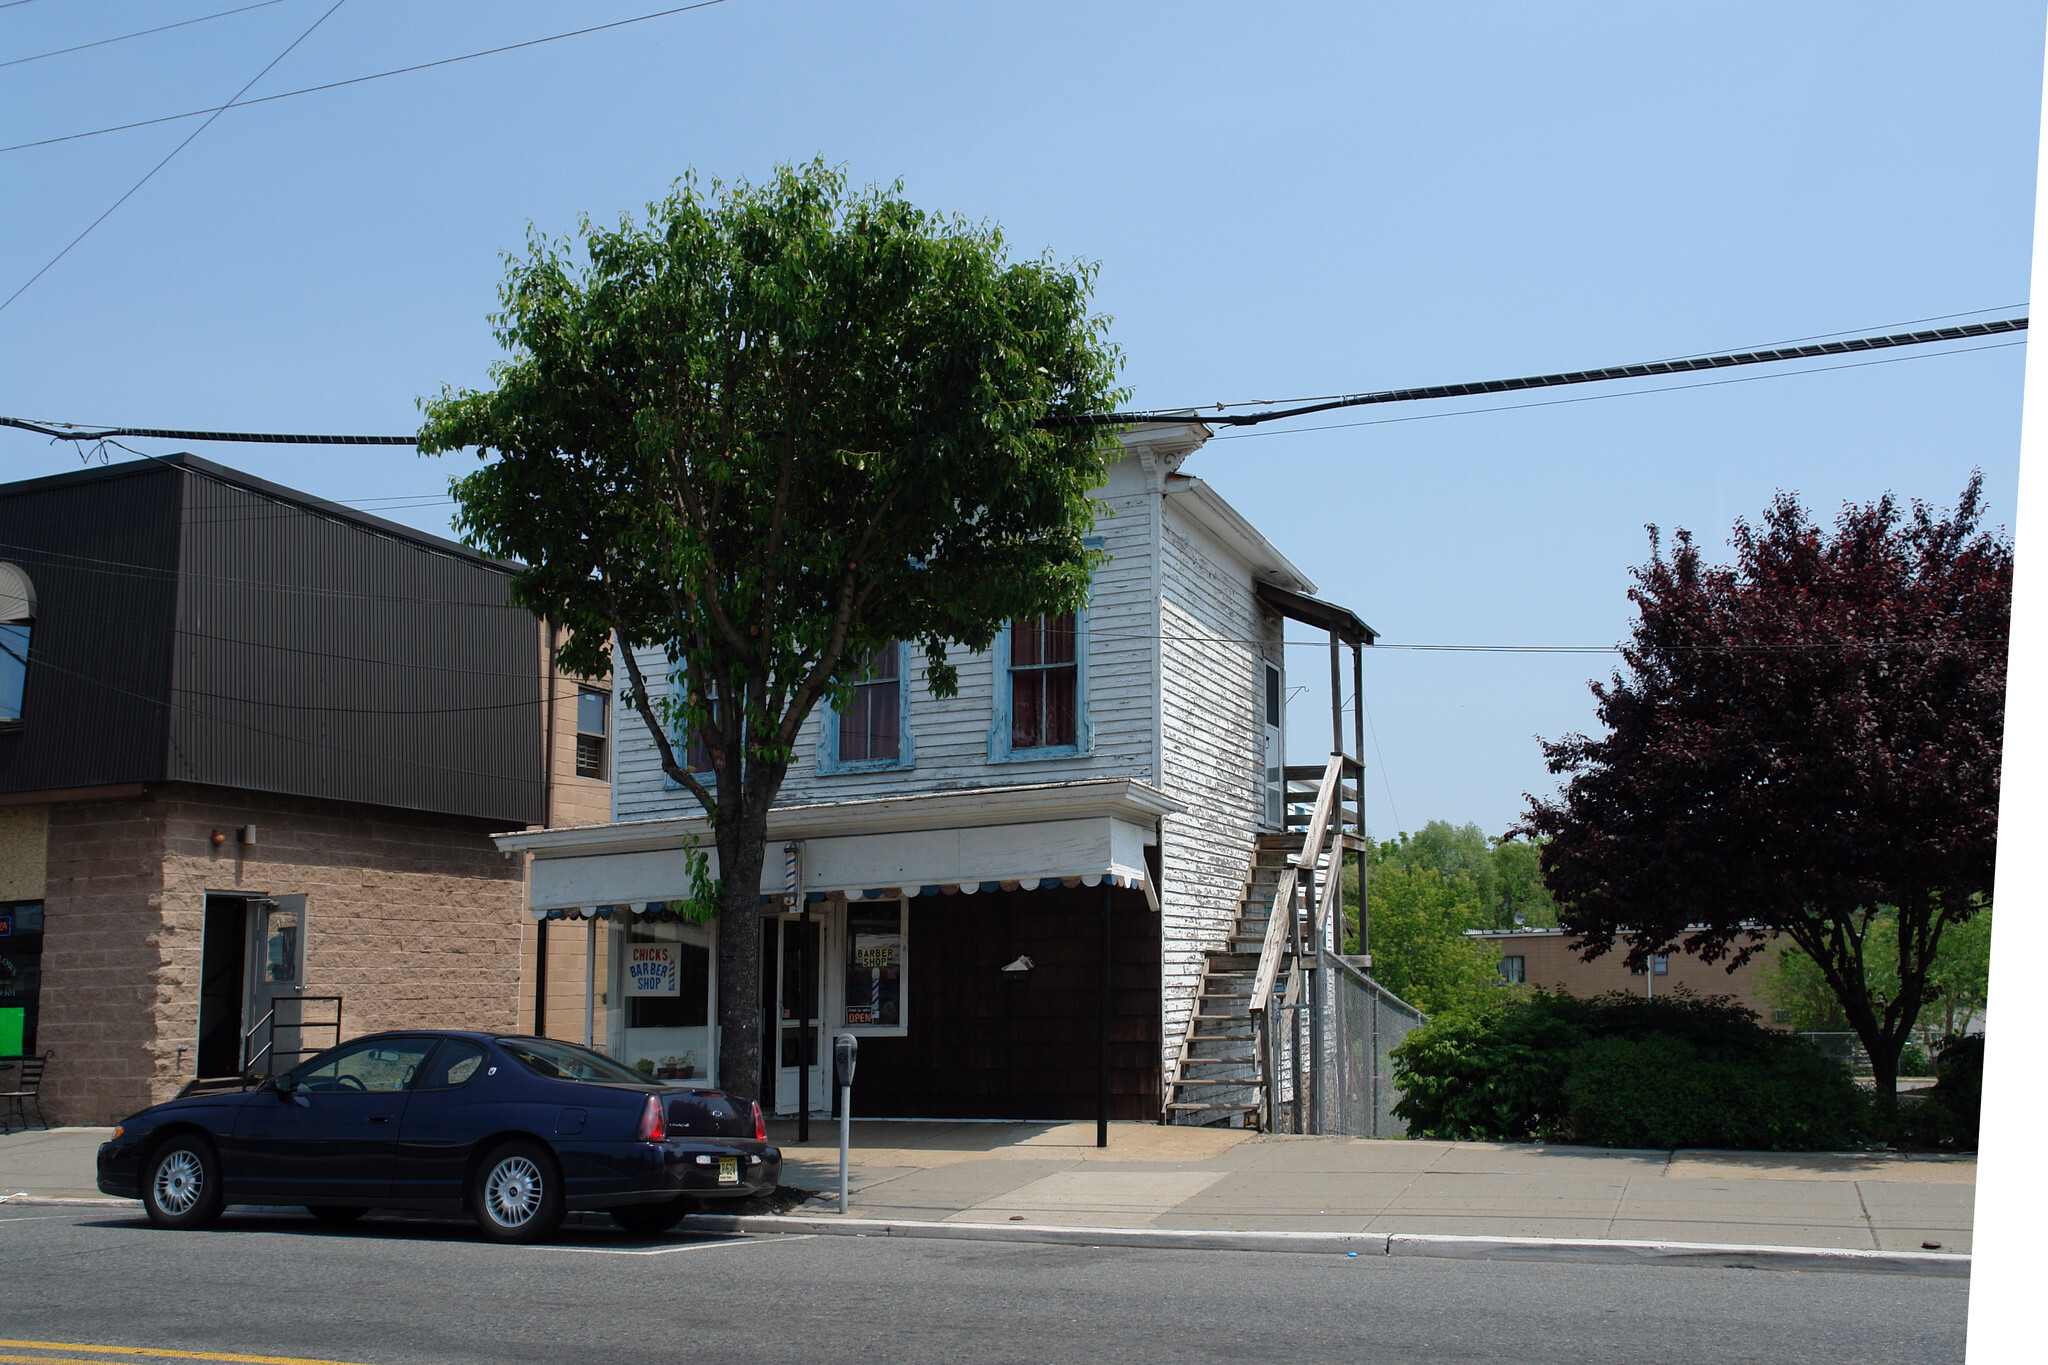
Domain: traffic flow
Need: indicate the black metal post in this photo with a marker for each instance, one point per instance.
(540, 979)
(803, 1025)
(1102, 1024)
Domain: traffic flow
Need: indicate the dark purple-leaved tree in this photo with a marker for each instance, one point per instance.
(1797, 741)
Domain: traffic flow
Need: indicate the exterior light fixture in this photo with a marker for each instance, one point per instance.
(1019, 972)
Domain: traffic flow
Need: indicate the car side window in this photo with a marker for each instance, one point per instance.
(453, 1065)
(378, 1065)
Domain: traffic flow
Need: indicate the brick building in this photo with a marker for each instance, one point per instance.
(1544, 957)
(252, 746)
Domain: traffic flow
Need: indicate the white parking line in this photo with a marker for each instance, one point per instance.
(687, 1246)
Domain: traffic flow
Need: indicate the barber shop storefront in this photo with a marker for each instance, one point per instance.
(980, 944)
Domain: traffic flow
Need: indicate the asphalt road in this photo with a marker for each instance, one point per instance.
(391, 1292)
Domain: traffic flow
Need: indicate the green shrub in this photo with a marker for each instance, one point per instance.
(1945, 1117)
(1621, 1070)
(1666, 1092)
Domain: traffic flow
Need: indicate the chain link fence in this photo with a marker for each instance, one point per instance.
(1366, 1022)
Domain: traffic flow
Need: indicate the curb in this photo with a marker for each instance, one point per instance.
(1581, 1250)
(1440, 1246)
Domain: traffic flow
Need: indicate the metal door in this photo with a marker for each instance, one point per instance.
(277, 978)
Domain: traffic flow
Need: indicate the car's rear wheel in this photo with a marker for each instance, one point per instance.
(651, 1217)
(334, 1215)
(517, 1193)
(181, 1184)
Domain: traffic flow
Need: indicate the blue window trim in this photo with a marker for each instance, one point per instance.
(999, 750)
(682, 750)
(829, 764)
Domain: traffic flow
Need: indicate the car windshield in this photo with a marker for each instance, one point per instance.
(566, 1061)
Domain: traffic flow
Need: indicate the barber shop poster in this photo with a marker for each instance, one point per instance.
(653, 969)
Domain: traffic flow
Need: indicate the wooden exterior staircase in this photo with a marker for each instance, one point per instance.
(1231, 1056)
(1218, 1080)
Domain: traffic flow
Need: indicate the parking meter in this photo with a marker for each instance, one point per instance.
(845, 1051)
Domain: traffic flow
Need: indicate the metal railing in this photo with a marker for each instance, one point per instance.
(267, 1055)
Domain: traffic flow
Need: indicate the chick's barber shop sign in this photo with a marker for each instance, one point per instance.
(651, 969)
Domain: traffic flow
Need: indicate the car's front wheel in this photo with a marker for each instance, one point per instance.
(651, 1217)
(181, 1184)
(517, 1193)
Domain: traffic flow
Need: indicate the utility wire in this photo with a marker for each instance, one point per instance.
(358, 80)
(1689, 355)
(173, 152)
(1605, 397)
(72, 431)
(1686, 365)
(141, 33)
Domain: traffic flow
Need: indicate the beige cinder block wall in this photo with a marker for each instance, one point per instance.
(413, 919)
(24, 852)
(1550, 962)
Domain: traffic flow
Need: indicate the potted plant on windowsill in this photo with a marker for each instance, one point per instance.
(673, 1068)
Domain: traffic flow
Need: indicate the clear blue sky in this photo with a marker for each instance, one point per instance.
(1284, 201)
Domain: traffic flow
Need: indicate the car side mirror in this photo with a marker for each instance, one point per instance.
(286, 1085)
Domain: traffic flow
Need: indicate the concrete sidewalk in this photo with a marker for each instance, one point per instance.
(1170, 1179)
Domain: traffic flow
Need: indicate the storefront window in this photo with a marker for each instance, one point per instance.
(664, 980)
(21, 974)
(875, 961)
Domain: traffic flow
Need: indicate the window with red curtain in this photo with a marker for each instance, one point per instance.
(1043, 683)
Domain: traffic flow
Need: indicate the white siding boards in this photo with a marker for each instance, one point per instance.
(1177, 644)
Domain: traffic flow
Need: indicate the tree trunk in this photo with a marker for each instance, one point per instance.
(1884, 1052)
(741, 850)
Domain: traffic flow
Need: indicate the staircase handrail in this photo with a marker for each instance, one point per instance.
(1328, 794)
(1275, 945)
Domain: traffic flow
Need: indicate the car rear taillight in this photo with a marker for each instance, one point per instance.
(760, 1124)
(653, 1127)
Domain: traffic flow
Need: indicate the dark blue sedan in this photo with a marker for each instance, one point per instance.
(514, 1131)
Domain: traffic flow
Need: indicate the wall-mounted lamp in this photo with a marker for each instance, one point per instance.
(1018, 973)
(246, 836)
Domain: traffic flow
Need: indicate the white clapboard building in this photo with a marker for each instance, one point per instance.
(1045, 897)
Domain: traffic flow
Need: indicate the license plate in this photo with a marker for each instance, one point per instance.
(728, 1170)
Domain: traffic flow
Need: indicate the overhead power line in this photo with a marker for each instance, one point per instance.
(74, 431)
(358, 80)
(1647, 370)
(139, 33)
(167, 158)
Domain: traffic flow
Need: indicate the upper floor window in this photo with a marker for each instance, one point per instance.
(1514, 969)
(697, 753)
(873, 732)
(593, 713)
(1041, 695)
(17, 624)
(1043, 678)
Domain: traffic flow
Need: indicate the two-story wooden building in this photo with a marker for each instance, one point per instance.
(252, 748)
(992, 889)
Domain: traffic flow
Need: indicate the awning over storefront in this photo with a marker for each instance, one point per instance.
(949, 844)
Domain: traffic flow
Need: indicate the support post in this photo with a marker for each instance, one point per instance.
(803, 1025)
(1102, 1024)
(590, 980)
(540, 978)
(1337, 703)
(1316, 998)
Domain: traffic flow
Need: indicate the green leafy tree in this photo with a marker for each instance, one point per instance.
(1418, 918)
(769, 430)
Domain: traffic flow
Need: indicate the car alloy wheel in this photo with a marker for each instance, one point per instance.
(516, 1193)
(180, 1181)
(513, 1191)
(181, 1184)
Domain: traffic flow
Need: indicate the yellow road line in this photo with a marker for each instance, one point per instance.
(163, 1353)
